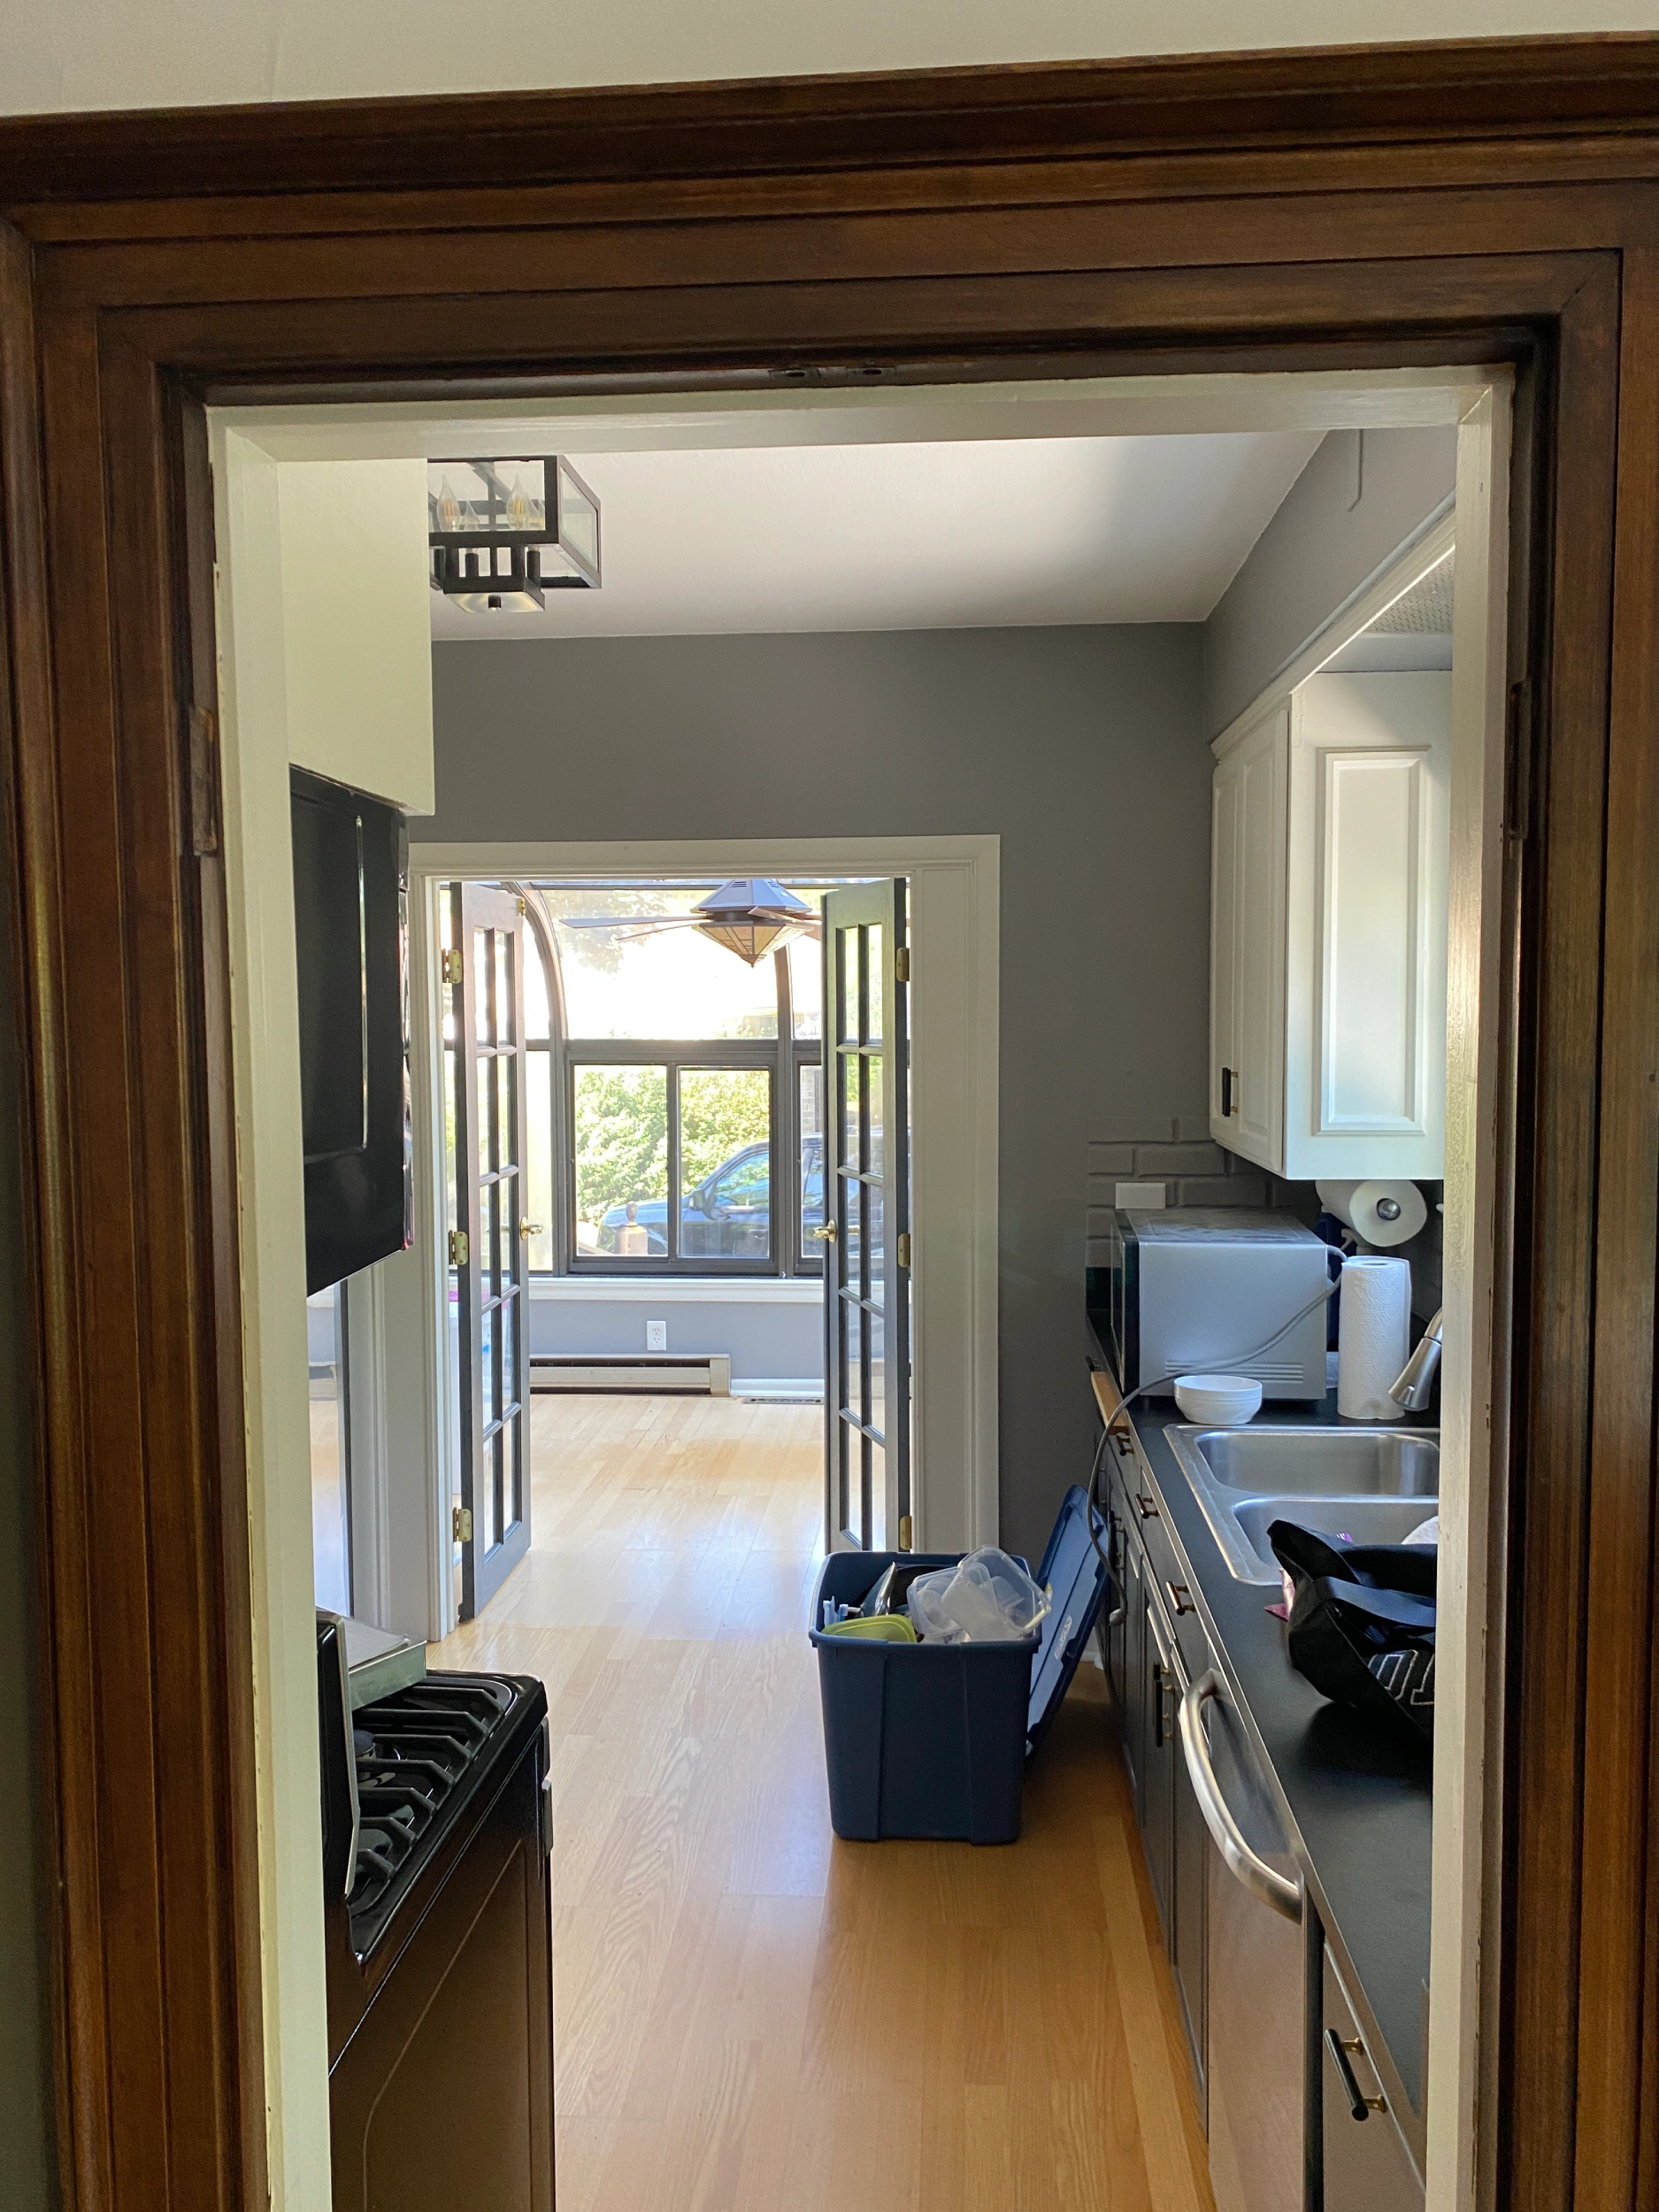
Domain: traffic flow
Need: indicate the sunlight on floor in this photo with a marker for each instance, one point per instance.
(748, 2014)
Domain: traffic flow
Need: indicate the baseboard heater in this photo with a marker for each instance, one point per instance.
(705, 1373)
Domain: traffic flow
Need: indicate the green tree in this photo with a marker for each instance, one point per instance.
(621, 1137)
(721, 1110)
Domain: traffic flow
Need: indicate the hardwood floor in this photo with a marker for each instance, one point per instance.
(750, 2015)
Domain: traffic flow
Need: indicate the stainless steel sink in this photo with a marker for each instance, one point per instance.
(1369, 1485)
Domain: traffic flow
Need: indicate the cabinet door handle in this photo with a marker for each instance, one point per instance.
(1361, 2106)
(1145, 1508)
(1229, 1077)
(1180, 1598)
(1265, 1883)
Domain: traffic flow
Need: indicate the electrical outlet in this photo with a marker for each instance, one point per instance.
(656, 1336)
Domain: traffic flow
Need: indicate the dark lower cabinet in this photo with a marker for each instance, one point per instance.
(1294, 2112)
(1133, 1696)
(1366, 2165)
(442, 2099)
(1114, 1625)
(1158, 1752)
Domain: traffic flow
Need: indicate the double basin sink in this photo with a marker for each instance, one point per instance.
(1365, 1486)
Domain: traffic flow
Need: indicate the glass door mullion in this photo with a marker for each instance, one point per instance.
(867, 1416)
(672, 1212)
(490, 1129)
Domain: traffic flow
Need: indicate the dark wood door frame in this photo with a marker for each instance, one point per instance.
(1409, 205)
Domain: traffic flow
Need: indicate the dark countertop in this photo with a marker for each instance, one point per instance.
(1356, 1793)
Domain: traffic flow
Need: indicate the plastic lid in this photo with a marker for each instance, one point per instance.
(1073, 1571)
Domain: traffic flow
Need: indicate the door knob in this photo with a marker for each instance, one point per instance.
(826, 1235)
(529, 1228)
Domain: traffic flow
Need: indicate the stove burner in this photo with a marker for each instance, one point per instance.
(413, 1750)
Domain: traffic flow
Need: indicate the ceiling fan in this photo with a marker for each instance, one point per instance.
(750, 916)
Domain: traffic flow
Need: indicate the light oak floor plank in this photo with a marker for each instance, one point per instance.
(749, 2014)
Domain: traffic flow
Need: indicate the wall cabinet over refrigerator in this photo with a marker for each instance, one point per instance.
(1330, 827)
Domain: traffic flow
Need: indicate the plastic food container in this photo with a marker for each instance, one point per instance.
(1219, 1401)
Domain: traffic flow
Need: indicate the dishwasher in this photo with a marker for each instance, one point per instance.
(1256, 1971)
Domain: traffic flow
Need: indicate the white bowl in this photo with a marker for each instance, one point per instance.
(1218, 1402)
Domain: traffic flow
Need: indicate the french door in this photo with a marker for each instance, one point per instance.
(488, 1240)
(866, 1230)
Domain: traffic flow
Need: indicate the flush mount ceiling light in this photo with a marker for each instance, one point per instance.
(751, 916)
(505, 533)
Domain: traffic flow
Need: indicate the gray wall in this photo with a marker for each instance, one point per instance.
(1083, 748)
(27, 2162)
(1363, 496)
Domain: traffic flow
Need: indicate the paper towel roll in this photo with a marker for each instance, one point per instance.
(1382, 1211)
(1373, 1336)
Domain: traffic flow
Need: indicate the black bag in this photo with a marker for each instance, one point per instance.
(1362, 1627)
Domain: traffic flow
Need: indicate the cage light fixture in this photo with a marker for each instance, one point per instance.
(503, 534)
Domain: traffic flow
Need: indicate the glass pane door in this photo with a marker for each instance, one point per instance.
(489, 1256)
(865, 1230)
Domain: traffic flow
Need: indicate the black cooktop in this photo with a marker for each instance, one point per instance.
(419, 1752)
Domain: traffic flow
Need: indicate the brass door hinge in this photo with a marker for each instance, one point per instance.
(461, 1524)
(460, 1251)
(904, 1247)
(907, 1531)
(454, 970)
(901, 965)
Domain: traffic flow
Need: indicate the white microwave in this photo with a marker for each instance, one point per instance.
(1197, 1290)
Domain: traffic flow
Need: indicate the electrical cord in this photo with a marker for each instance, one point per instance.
(1233, 1359)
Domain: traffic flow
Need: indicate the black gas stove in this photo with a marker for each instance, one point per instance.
(437, 1925)
(417, 1754)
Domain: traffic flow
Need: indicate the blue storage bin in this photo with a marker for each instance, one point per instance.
(932, 1739)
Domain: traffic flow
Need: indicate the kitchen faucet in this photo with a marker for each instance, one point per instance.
(1412, 1386)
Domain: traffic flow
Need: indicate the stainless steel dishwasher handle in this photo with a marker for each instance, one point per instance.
(1263, 1881)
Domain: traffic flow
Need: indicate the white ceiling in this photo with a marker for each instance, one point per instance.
(941, 534)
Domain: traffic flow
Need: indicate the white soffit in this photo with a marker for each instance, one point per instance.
(935, 534)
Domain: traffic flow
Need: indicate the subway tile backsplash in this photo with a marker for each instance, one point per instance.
(1195, 1171)
(1179, 1154)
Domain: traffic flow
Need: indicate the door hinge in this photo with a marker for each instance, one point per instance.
(203, 739)
(901, 965)
(460, 1251)
(904, 1247)
(907, 1531)
(454, 969)
(522, 909)
(461, 1524)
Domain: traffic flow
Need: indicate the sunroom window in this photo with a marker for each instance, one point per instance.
(674, 1093)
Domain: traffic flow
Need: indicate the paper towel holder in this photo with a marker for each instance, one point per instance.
(1384, 1212)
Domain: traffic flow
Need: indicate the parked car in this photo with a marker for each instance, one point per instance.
(727, 1216)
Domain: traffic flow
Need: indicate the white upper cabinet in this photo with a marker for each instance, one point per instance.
(1247, 958)
(1328, 930)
